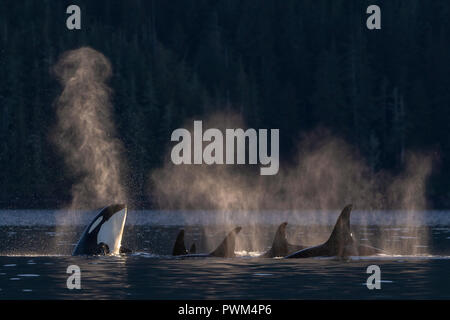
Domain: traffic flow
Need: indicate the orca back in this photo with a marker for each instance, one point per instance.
(226, 248)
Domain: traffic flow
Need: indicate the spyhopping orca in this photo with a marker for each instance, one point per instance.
(104, 234)
(280, 246)
(224, 250)
(341, 242)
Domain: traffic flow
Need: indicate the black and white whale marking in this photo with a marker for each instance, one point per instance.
(280, 245)
(104, 234)
(224, 250)
(341, 242)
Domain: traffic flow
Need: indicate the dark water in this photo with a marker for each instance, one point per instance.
(35, 254)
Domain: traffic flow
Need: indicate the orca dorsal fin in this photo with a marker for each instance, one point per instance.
(341, 235)
(280, 241)
(226, 248)
(193, 249)
(179, 247)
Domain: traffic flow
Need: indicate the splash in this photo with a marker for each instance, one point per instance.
(326, 174)
(85, 132)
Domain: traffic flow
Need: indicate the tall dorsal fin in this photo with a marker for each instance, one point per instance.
(341, 234)
(179, 247)
(280, 240)
(226, 248)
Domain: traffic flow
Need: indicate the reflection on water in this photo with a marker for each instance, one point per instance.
(34, 259)
(145, 277)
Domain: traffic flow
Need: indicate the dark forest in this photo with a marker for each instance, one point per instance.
(293, 65)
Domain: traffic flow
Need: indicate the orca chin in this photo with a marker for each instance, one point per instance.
(103, 235)
(224, 250)
(340, 244)
(280, 245)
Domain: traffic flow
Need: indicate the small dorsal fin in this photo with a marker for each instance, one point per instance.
(179, 247)
(193, 249)
(280, 245)
(226, 248)
(341, 235)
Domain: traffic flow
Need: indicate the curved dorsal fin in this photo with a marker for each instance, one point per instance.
(341, 235)
(226, 248)
(280, 241)
(179, 247)
(193, 249)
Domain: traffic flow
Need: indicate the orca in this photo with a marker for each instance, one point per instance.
(280, 245)
(103, 235)
(179, 247)
(224, 250)
(340, 243)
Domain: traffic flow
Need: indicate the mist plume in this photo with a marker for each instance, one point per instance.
(326, 174)
(85, 133)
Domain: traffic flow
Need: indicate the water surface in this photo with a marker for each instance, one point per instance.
(35, 253)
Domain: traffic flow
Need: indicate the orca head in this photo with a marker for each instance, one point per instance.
(341, 238)
(104, 234)
(110, 227)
